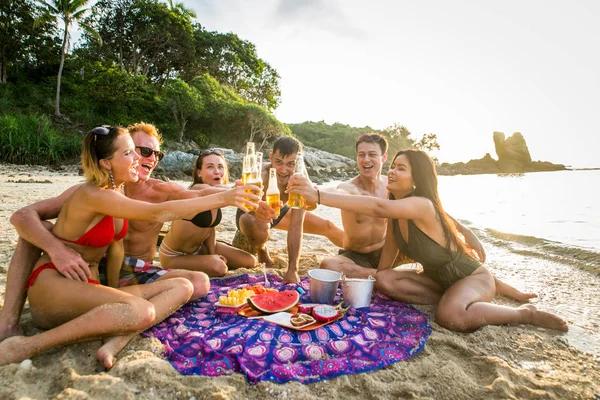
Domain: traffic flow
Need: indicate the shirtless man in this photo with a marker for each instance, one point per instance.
(256, 226)
(364, 236)
(139, 244)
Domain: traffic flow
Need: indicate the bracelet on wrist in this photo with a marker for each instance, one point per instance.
(318, 197)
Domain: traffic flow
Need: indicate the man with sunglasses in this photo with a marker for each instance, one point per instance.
(139, 243)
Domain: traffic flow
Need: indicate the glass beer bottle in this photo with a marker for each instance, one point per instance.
(273, 196)
(248, 162)
(307, 205)
(255, 176)
(297, 200)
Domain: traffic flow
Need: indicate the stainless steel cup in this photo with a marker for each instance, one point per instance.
(323, 285)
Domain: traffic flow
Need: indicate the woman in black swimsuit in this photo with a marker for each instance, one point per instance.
(419, 227)
(192, 244)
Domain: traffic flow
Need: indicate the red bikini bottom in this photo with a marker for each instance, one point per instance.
(44, 266)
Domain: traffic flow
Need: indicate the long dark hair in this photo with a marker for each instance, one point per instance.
(424, 176)
(200, 160)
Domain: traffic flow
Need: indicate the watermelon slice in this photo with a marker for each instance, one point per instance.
(270, 303)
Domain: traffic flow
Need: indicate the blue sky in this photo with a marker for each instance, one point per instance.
(459, 69)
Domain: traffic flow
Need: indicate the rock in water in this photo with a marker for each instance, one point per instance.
(513, 153)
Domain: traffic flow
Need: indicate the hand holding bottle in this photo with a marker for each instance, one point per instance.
(301, 185)
(243, 196)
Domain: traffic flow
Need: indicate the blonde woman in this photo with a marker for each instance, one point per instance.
(91, 219)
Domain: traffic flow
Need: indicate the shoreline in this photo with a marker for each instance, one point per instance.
(493, 362)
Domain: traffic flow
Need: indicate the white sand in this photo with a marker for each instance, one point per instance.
(496, 362)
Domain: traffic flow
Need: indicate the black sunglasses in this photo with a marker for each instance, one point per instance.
(217, 152)
(147, 152)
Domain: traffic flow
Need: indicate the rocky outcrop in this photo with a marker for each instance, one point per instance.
(321, 166)
(513, 154)
(513, 157)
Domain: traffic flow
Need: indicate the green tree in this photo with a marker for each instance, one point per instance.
(144, 37)
(20, 41)
(428, 143)
(234, 62)
(68, 11)
(183, 101)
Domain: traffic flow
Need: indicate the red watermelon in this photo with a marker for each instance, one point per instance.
(270, 303)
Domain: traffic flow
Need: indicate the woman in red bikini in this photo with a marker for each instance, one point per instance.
(93, 217)
(453, 278)
(192, 244)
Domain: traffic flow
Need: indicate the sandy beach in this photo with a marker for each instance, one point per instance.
(495, 362)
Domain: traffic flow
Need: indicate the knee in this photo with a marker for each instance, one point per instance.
(256, 231)
(329, 263)
(383, 280)
(201, 285)
(216, 266)
(453, 318)
(143, 312)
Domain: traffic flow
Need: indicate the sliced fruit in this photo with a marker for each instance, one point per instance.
(270, 303)
(306, 308)
(325, 313)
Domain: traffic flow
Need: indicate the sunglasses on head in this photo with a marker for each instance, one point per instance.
(147, 152)
(366, 137)
(103, 130)
(217, 152)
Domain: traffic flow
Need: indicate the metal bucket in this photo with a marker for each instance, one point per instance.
(323, 285)
(357, 292)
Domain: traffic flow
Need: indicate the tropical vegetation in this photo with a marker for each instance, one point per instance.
(135, 60)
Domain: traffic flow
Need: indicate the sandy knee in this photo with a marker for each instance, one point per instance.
(143, 314)
(201, 284)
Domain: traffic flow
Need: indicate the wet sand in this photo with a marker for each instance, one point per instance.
(495, 362)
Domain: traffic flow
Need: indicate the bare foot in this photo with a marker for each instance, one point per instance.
(107, 354)
(518, 295)
(264, 257)
(545, 319)
(505, 289)
(15, 350)
(7, 331)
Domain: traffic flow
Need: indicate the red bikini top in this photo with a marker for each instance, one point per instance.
(102, 234)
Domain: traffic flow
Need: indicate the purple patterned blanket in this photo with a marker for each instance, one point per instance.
(200, 341)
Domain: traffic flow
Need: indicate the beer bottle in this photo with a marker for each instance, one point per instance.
(273, 196)
(248, 162)
(308, 206)
(255, 175)
(297, 200)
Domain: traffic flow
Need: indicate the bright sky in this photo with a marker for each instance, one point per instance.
(459, 69)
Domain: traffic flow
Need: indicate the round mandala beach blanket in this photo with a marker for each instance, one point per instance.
(201, 341)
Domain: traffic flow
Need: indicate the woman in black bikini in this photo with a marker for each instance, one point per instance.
(418, 226)
(192, 244)
(91, 219)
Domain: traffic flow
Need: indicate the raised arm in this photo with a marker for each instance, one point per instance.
(28, 223)
(408, 208)
(294, 244)
(178, 192)
(112, 203)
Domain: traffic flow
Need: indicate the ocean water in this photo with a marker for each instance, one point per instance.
(541, 232)
(559, 207)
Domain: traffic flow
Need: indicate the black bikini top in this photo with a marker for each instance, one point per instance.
(204, 219)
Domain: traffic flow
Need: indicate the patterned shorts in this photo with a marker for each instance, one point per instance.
(137, 272)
